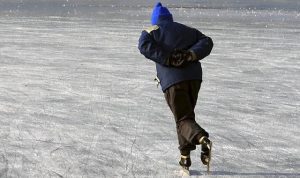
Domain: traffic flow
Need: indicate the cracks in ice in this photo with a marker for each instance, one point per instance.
(56, 149)
(132, 159)
(4, 171)
(59, 175)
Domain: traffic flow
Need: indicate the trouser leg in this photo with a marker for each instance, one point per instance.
(182, 99)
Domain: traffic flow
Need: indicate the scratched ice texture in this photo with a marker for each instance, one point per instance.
(77, 99)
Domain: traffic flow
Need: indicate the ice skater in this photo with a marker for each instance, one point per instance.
(177, 49)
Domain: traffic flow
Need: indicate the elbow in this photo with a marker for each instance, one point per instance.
(205, 48)
(142, 49)
(210, 43)
(141, 46)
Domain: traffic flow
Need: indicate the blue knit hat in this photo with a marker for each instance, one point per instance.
(160, 12)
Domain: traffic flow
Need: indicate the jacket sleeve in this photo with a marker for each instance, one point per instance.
(203, 46)
(151, 50)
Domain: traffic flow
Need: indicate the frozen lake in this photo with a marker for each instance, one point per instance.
(78, 100)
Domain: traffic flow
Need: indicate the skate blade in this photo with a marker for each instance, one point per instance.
(185, 171)
(209, 160)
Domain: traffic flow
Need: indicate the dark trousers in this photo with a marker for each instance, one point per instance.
(182, 99)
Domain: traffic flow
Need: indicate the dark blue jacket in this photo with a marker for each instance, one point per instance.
(160, 40)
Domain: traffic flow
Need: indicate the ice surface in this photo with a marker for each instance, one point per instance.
(78, 100)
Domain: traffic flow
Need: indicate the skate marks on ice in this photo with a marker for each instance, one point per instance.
(196, 173)
(254, 174)
(74, 105)
(192, 172)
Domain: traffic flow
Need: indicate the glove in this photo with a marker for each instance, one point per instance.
(180, 58)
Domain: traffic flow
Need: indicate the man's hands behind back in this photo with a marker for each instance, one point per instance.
(180, 57)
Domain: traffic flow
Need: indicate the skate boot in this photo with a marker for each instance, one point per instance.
(206, 147)
(185, 162)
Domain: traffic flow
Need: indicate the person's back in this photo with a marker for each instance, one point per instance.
(159, 41)
(172, 35)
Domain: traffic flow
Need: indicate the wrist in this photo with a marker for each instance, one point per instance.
(193, 55)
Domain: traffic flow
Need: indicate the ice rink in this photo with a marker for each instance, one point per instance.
(77, 99)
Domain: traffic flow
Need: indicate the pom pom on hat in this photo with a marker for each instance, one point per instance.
(160, 11)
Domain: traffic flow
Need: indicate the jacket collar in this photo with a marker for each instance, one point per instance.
(164, 20)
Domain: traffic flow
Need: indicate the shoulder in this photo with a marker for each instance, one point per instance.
(152, 28)
(185, 26)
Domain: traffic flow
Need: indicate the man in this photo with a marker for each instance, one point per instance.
(176, 49)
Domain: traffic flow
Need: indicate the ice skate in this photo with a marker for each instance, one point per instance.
(206, 147)
(185, 163)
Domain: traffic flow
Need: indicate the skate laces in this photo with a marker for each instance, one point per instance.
(185, 161)
(205, 142)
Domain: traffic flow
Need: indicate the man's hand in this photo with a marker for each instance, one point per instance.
(180, 58)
